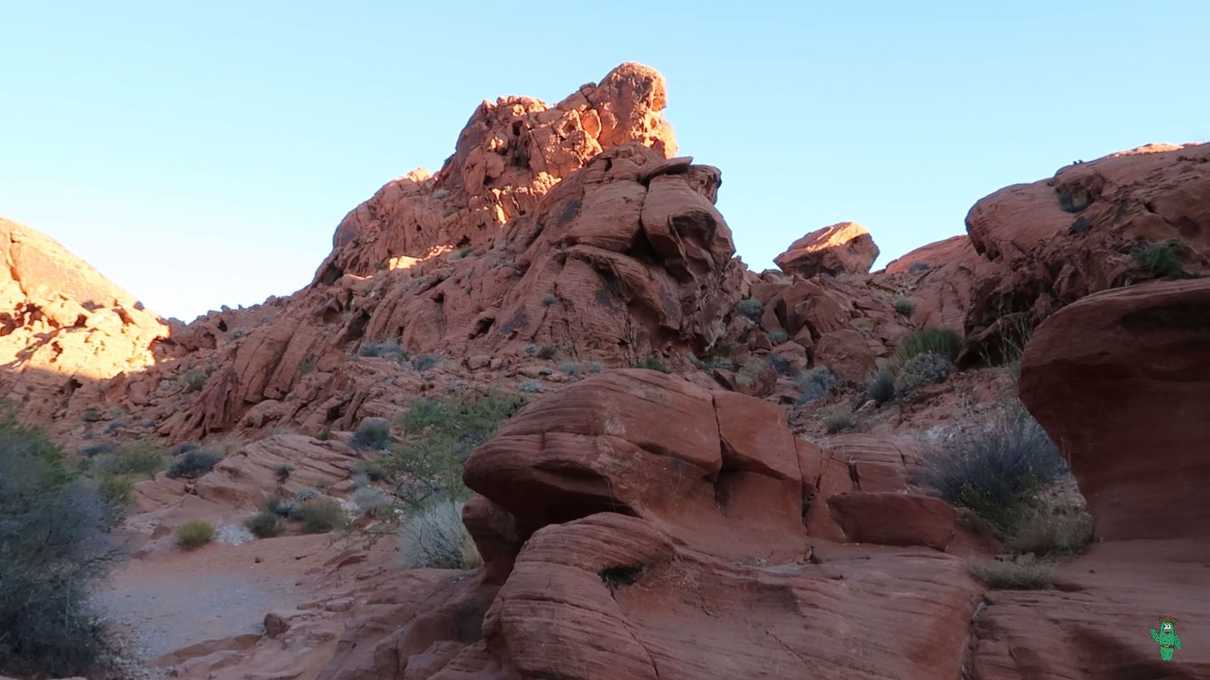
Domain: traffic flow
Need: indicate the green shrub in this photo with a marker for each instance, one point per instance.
(195, 380)
(424, 362)
(750, 308)
(372, 433)
(570, 368)
(264, 524)
(941, 341)
(839, 420)
(140, 460)
(547, 352)
(1022, 573)
(778, 336)
(815, 383)
(531, 387)
(195, 534)
(55, 547)
(282, 472)
(118, 492)
(321, 515)
(282, 507)
(193, 464)
(995, 467)
(386, 350)
(904, 306)
(435, 537)
(440, 436)
(880, 386)
(372, 470)
(1161, 259)
(652, 363)
(928, 368)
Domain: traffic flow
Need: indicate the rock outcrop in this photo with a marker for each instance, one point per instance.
(1055, 241)
(846, 247)
(1121, 380)
(64, 327)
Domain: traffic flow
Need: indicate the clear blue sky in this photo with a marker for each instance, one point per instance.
(201, 157)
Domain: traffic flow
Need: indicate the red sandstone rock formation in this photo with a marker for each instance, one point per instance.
(836, 249)
(64, 327)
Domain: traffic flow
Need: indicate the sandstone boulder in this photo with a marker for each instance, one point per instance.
(846, 247)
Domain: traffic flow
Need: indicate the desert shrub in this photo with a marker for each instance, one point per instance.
(880, 386)
(750, 308)
(305, 494)
(1044, 531)
(713, 362)
(372, 433)
(54, 548)
(781, 365)
(652, 362)
(193, 464)
(531, 387)
(91, 415)
(140, 460)
(372, 501)
(941, 341)
(1161, 259)
(778, 336)
(194, 534)
(97, 449)
(928, 368)
(549, 299)
(546, 352)
(440, 436)
(264, 524)
(904, 306)
(372, 470)
(839, 420)
(386, 350)
(282, 472)
(195, 380)
(815, 383)
(424, 362)
(435, 537)
(117, 492)
(993, 468)
(320, 515)
(751, 371)
(570, 368)
(282, 507)
(1022, 573)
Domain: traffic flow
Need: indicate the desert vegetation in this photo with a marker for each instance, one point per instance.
(435, 537)
(55, 546)
(194, 534)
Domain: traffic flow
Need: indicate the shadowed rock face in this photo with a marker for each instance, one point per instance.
(1121, 380)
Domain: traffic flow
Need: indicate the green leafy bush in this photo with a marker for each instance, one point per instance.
(321, 515)
(193, 464)
(264, 524)
(435, 537)
(652, 363)
(440, 436)
(55, 547)
(904, 306)
(372, 433)
(1161, 259)
(195, 380)
(941, 341)
(140, 460)
(194, 534)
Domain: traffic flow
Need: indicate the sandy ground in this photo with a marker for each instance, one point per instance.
(171, 598)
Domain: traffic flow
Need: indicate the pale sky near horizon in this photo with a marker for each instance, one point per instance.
(201, 157)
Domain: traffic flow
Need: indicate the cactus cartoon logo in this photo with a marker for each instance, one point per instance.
(1166, 637)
